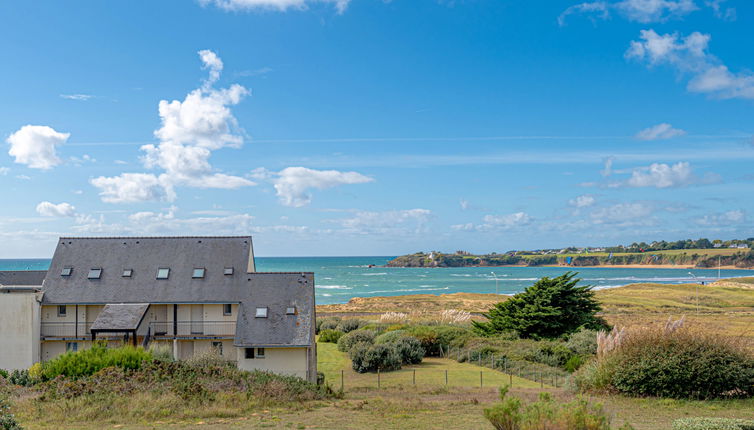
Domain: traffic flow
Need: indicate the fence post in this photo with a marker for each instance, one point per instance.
(511, 379)
(493, 362)
(446, 376)
(378, 378)
(341, 381)
(541, 380)
(414, 376)
(481, 383)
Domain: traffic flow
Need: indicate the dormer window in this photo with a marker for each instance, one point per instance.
(228, 271)
(198, 273)
(163, 273)
(291, 310)
(127, 273)
(94, 273)
(261, 313)
(67, 271)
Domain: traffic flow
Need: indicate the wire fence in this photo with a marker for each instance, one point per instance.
(521, 368)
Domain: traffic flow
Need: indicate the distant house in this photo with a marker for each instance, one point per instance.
(188, 294)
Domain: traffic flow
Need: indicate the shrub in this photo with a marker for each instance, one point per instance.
(329, 323)
(4, 373)
(512, 414)
(428, 337)
(583, 342)
(366, 357)
(390, 336)
(89, 361)
(551, 353)
(20, 377)
(574, 363)
(349, 325)
(161, 352)
(7, 420)
(712, 424)
(358, 336)
(550, 308)
(330, 336)
(410, 349)
(676, 363)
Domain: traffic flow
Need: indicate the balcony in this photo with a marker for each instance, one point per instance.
(65, 330)
(192, 329)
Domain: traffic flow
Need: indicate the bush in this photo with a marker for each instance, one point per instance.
(677, 363)
(551, 353)
(370, 358)
(358, 336)
(349, 325)
(390, 336)
(329, 323)
(428, 337)
(583, 342)
(574, 363)
(7, 420)
(4, 373)
(89, 361)
(21, 377)
(512, 414)
(712, 424)
(330, 336)
(410, 350)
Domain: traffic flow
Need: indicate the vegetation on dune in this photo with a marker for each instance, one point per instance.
(671, 361)
(7, 419)
(712, 424)
(513, 414)
(91, 360)
(550, 308)
(330, 336)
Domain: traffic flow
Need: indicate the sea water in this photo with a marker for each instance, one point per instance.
(338, 279)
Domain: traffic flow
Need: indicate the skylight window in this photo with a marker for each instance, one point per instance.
(198, 273)
(94, 274)
(290, 310)
(228, 271)
(261, 313)
(163, 273)
(66, 271)
(127, 273)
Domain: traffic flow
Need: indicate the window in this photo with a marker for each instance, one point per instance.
(71, 346)
(261, 313)
(66, 271)
(62, 311)
(163, 273)
(290, 310)
(94, 273)
(218, 346)
(228, 271)
(227, 309)
(127, 273)
(198, 273)
(248, 353)
(260, 352)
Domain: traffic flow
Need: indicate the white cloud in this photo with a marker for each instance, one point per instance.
(279, 5)
(582, 201)
(464, 204)
(660, 131)
(607, 169)
(34, 145)
(411, 221)
(728, 13)
(133, 187)
(636, 213)
(80, 97)
(506, 221)
(644, 11)
(292, 184)
(4, 171)
(690, 57)
(726, 218)
(660, 175)
(191, 129)
(56, 210)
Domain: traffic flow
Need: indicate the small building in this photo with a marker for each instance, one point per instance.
(20, 298)
(186, 294)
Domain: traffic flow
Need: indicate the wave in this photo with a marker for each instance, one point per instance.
(326, 295)
(464, 275)
(427, 286)
(334, 287)
(374, 274)
(407, 290)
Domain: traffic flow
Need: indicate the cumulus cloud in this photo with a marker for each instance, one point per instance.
(723, 219)
(292, 184)
(56, 210)
(497, 222)
(584, 201)
(689, 56)
(410, 221)
(660, 175)
(659, 132)
(190, 131)
(624, 214)
(644, 11)
(35, 146)
(279, 5)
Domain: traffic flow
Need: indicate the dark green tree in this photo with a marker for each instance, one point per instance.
(550, 308)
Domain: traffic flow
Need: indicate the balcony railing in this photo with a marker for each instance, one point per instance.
(193, 328)
(65, 329)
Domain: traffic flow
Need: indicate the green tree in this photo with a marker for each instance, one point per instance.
(550, 308)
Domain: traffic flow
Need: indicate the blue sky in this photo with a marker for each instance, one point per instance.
(368, 127)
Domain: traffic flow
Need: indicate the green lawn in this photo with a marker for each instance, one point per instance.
(429, 374)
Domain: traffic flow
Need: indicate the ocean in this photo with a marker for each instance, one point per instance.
(338, 279)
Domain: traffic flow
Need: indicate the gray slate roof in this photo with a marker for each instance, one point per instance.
(276, 291)
(15, 278)
(120, 317)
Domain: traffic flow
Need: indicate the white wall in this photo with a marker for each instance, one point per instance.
(289, 361)
(19, 320)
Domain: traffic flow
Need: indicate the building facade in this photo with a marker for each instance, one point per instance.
(188, 295)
